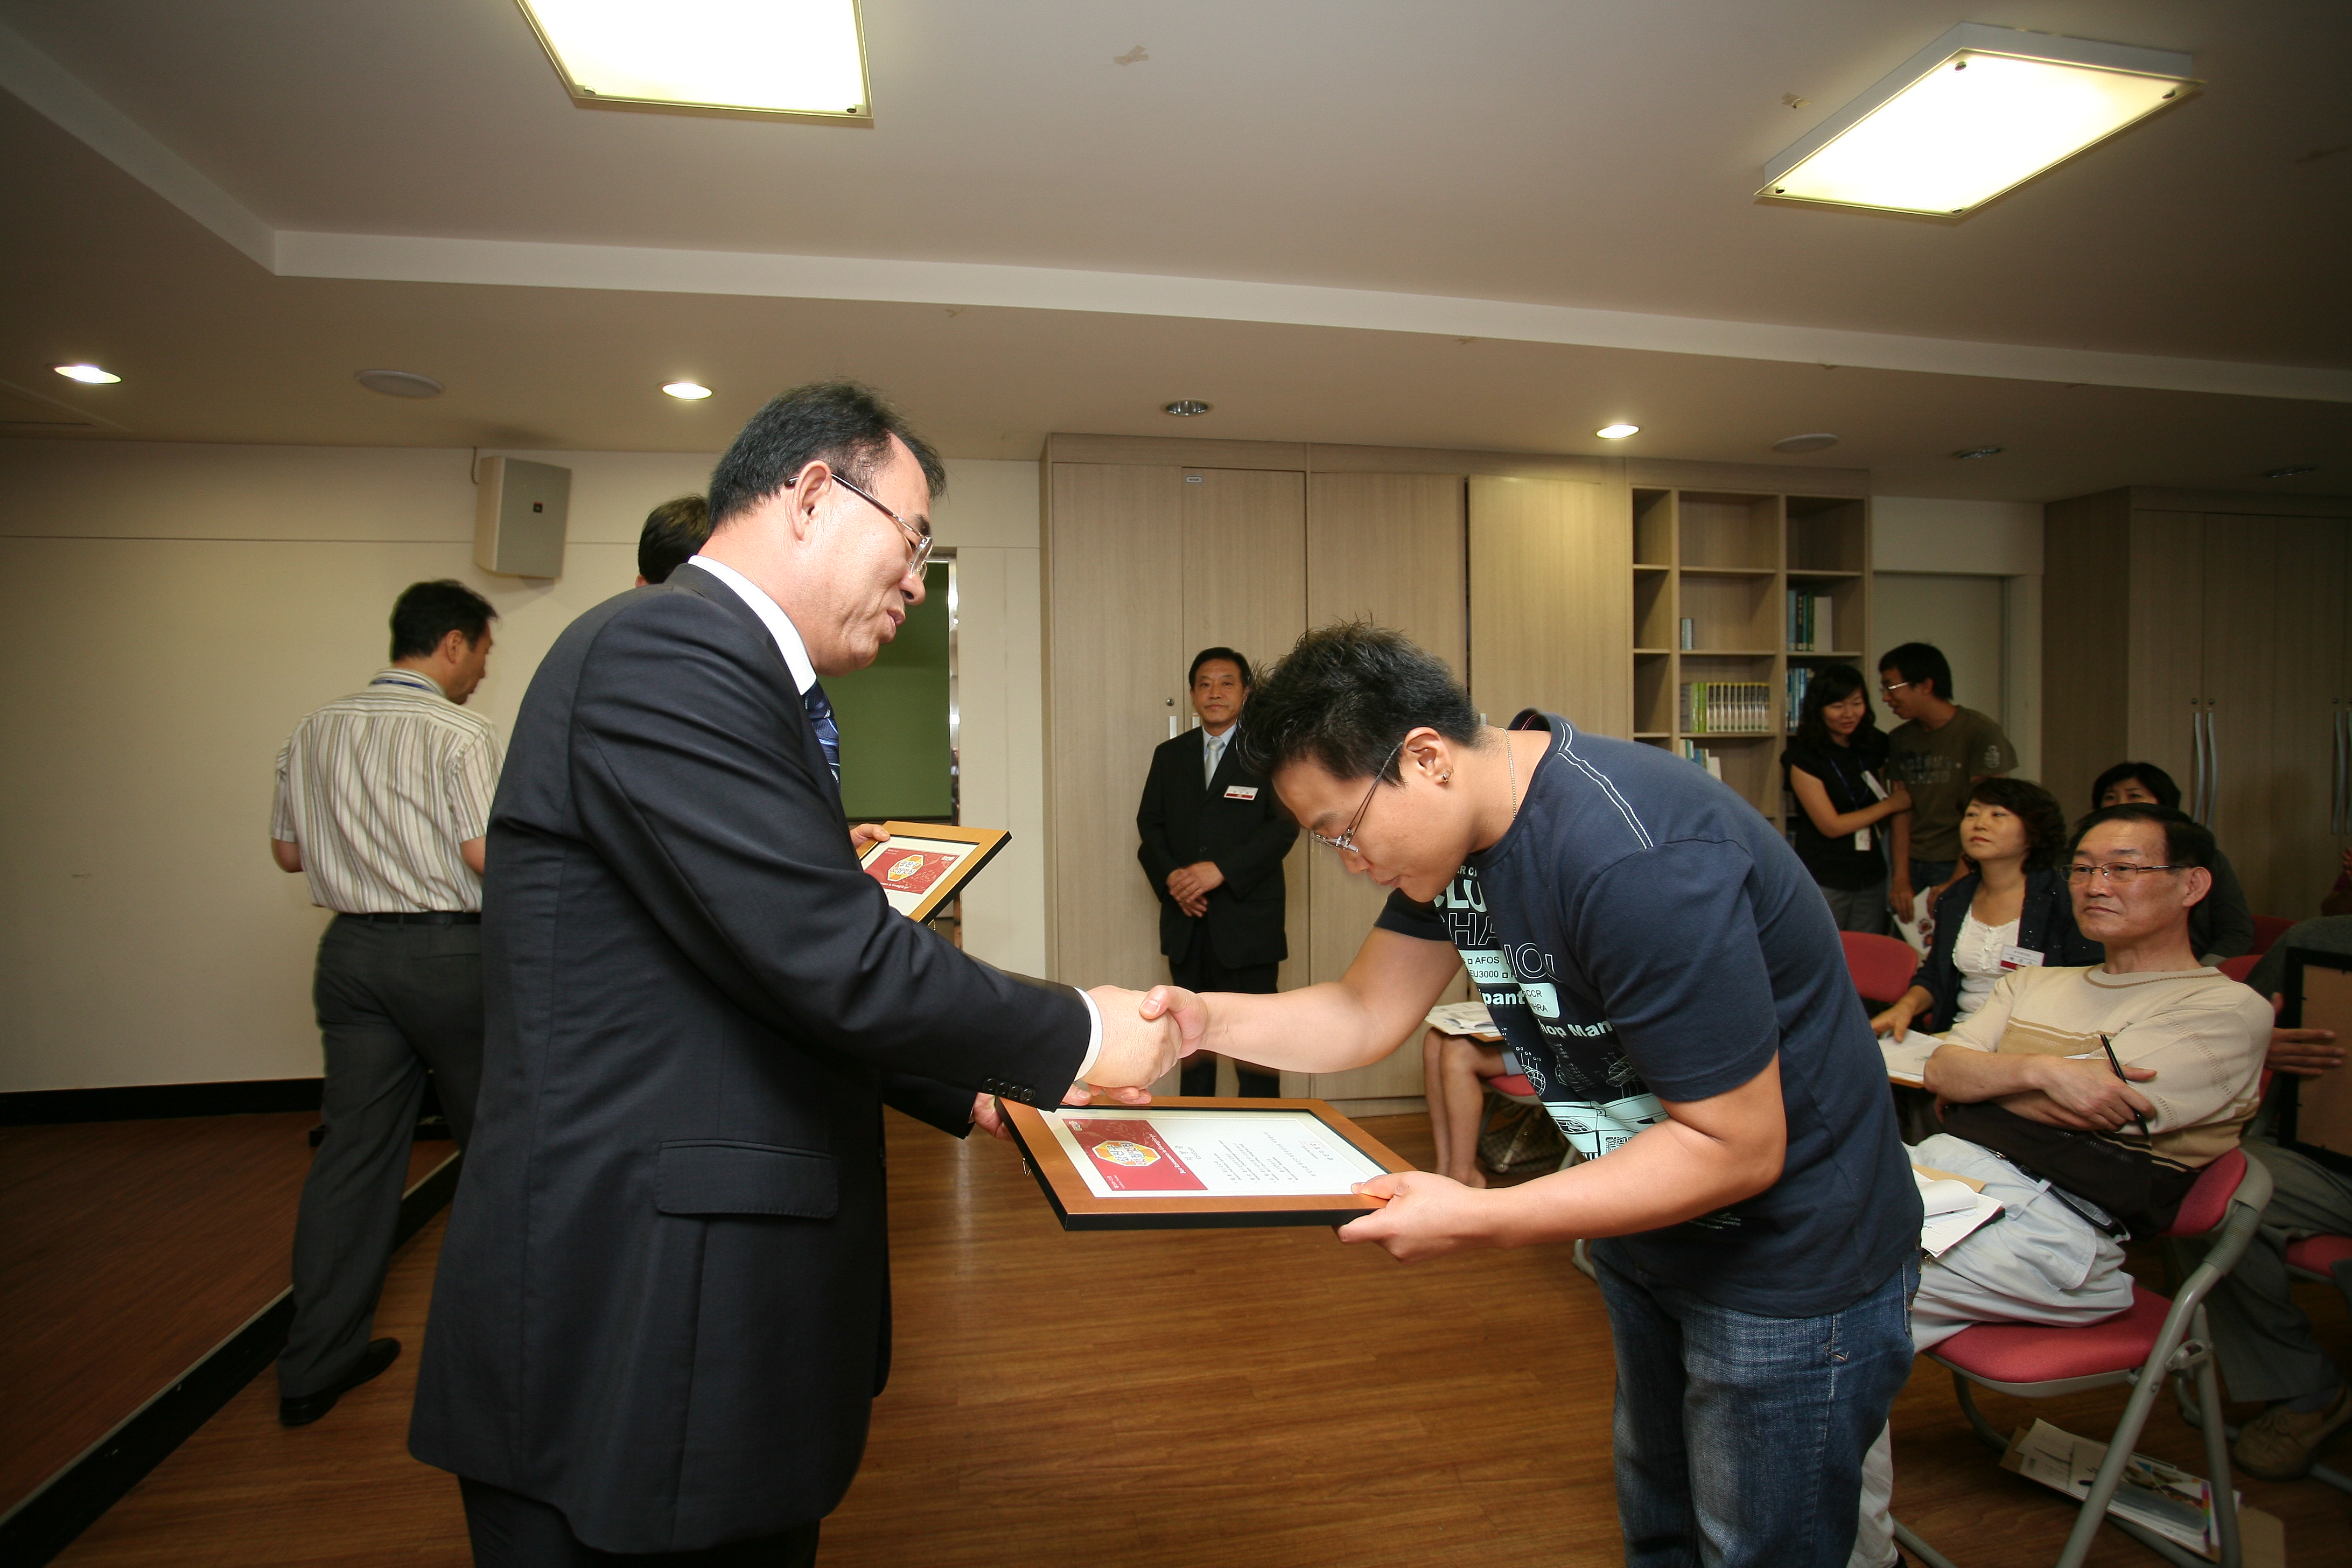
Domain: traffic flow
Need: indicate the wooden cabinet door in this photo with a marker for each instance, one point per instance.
(1386, 548)
(1551, 573)
(1115, 677)
(1244, 547)
(2290, 857)
(2241, 646)
(2163, 604)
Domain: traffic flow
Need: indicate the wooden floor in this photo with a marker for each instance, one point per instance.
(128, 1249)
(1176, 1401)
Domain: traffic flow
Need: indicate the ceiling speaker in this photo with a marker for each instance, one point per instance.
(518, 519)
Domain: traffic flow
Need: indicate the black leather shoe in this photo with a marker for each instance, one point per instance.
(379, 1355)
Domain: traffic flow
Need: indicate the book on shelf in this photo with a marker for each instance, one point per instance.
(1726, 707)
(1800, 677)
(1811, 622)
(1691, 752)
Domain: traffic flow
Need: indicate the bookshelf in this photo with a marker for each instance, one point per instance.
(1714, 570)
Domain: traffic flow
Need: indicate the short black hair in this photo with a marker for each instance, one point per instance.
(2044, 818)
(1346, 696)
(674, 531)
(2186, 841)
(2159, 783)
(840, 423)
(1206, 654)
(1918, 661)
(426, 611)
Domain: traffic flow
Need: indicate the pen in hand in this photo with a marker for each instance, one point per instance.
(2118, 1066)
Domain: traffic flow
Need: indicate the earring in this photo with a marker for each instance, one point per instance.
(1446, 776)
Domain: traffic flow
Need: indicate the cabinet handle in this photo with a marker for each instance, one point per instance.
(2212, 766)
(2339, 803)
(2196, 761)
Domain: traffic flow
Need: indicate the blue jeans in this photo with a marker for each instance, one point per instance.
(1740, 1438)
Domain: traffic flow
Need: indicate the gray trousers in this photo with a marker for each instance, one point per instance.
(1861, 909)
(2261, 1337)
(391, 1001)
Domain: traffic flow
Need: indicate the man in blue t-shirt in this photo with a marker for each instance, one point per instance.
(1672, 984)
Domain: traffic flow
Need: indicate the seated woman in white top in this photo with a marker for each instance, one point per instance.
(2009, 912)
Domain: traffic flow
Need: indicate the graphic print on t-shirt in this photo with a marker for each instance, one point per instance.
(1577, 1069)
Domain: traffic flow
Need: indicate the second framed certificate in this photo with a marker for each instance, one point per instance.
(922, 865)
(1195, 1164)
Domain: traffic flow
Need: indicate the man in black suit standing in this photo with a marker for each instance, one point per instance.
(662, 1309)
(1213, 838)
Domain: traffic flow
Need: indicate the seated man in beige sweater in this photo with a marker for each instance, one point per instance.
(2034, 1058)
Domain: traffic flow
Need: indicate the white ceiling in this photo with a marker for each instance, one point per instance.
(1593, 161)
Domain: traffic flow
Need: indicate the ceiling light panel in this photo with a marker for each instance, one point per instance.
(1980, 111)
(794, 59)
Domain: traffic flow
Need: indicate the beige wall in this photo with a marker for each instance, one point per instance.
(1981, 539)
(170, 611)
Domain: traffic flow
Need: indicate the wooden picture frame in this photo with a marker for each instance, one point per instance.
(939, 861)
(1078, 1208)
(2315, 1116)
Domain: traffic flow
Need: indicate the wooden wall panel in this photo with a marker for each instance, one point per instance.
(2085, 666)
(1551, 586)
(1115, 675)
(1244, 548)
(1388, 548)
(2165, 587)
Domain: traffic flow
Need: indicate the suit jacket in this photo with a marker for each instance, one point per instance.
(662, 1306)
(2045, 923)
(1181, 821)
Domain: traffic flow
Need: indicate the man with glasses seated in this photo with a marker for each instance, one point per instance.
(2155, 1056)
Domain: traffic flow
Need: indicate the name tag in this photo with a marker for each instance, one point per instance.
(1862, 838)
(2020, 958)
(1241, 792)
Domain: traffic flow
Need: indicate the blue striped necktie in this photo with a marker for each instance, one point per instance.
(828, 733)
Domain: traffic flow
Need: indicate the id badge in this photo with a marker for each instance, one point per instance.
(1862, 838)
(2020, 958)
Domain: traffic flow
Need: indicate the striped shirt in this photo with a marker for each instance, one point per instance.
(379, 788)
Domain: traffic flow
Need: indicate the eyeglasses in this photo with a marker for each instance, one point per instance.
(1347, 839)
(1886, 690)
(917, 540)
(2117, 871)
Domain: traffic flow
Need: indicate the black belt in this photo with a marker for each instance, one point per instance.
(430, 918)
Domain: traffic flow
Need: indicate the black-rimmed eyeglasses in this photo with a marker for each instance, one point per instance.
(1347, 838)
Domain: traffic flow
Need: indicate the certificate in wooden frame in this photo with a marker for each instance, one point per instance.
(2316, 1116)
(922, 865)
(1078, 1208)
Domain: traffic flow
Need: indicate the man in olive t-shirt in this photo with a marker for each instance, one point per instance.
(1940, 750)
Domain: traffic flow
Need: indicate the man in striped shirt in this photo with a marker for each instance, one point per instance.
(384, 804)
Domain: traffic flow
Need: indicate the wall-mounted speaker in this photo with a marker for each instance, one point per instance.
(519, 520)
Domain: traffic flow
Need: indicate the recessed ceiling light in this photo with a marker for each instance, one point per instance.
(398, 382)
(687, 389)
(770, 58)
(88, 373)
(1617, 432)
(1818, 441)
(1187, 407)
(1979, 110)
(2290, 472)
(1978, 452)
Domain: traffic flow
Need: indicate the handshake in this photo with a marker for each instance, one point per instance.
(1144, 1033)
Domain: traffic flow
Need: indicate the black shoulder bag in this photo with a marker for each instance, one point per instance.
(2142, 1193)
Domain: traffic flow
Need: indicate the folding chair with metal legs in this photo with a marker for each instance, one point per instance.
(2151, 1341)
(2314, 1258)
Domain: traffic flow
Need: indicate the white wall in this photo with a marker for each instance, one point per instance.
(169, 612)
(1985, 539)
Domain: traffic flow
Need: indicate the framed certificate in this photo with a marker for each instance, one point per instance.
(1198, 1163)
(922, 865)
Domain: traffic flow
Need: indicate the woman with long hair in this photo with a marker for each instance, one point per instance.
(1831, 765)
(2008, 909)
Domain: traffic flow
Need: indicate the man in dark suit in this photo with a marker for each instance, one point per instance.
(1213, 838)
(662, 1309)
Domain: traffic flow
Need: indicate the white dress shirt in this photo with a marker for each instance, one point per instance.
(797, 659)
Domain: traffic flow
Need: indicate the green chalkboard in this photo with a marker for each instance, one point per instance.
(896, 760)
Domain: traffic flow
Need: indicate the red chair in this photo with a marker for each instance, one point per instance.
(2268, 929)
(2237, 968)
(2154, 1339)
(1881, 966)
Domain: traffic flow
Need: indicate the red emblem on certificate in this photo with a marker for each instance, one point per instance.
(1130, 1156)
(908, 870)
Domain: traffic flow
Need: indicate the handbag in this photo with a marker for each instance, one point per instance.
(1521, 1138)
(2140, 1194)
